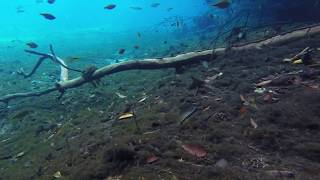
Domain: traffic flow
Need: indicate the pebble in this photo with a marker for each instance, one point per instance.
(222, 163)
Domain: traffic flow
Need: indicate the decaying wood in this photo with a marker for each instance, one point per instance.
(298, 56)
(170, 62)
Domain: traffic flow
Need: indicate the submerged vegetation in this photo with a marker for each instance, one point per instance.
(211, 89)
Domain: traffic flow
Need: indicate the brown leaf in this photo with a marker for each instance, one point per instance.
(195, 150)
(152, 158)
(267, 98)
(243, 110)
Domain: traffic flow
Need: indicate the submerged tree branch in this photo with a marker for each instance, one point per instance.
(171, 62)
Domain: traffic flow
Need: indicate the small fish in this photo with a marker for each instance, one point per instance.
(139, 34)
(154, 5)
(222, 4)
(75, 58)
(48, 16)
(110, 6)
(122, 51)
(20, 9)
(176, 24)
(165, 42)
(136, 8)
(51, 1)
(72, 58)
(136, 46)
(32, 45)
(169, 9)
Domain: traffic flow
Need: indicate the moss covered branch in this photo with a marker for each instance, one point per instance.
(170, 62)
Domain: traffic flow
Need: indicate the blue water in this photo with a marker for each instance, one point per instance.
(86, 29)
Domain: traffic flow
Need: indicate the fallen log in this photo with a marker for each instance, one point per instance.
(170, 62)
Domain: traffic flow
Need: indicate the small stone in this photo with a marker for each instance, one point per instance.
(222, 163)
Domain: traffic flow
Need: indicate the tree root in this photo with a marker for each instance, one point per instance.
(171, 62)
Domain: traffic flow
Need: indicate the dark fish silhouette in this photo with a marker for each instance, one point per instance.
(121, 51)
(110, 6)
(48, 16)
(51, 1)
(32, 45)
(20, 9)
(136, 8)
(222, 4)
(139, 34)
(154, 5)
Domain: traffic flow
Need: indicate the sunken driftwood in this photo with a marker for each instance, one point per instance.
(170, 62)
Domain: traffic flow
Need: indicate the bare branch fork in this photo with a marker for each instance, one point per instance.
(92, 74)
(54, 58)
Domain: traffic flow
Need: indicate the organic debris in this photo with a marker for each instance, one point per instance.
(298, 56)
(143, 99)
(57, 175)
(263, 83)
(253, 124)
(120, 95)
(260, 90)
(126, 116)
(195, 150)
(152, 158)
(186, 113)
(19, 155)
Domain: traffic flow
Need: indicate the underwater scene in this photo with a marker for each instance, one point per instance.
(159, 89)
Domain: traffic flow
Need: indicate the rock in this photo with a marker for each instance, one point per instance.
(222, 163)
(119, 155)
(283, 174)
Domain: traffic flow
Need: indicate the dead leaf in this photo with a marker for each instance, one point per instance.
(243, 110)
(126, 116)
(244, 100)
(142, 100)
(264, 83)
(253, 123)
(195, 150)
(120, 95)
(152, 158)
(57, 175)
(267, 98)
